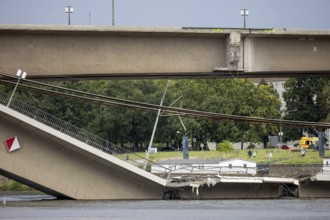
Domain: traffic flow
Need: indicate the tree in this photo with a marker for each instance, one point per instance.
(326, 100)
(269, 106)
(122, 124)
(132, 128)
(234, 97)
(305, 101)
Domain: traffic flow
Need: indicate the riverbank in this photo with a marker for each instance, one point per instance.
(279, 156)
(11, 185)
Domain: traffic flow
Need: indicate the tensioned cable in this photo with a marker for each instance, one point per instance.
(184, 112)
(76, 91)
(188, 112)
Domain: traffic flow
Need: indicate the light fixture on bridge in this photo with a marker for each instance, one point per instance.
(69, 10)
(244, 12)
(113, 12)
(21, 75)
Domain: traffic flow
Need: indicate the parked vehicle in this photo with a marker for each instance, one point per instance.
(286, 147)
(308, 142)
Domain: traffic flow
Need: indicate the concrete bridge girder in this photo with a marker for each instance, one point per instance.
(87, 51)
(286, 54)
(98, 53)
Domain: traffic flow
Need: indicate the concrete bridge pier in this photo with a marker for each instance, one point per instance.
(314, 189)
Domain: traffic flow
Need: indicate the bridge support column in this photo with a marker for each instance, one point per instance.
(233, 50)
(321, 142)
(185, 147)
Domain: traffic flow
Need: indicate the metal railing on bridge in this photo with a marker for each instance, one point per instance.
(79, 133)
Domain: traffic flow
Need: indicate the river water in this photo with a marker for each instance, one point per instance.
(46, 208)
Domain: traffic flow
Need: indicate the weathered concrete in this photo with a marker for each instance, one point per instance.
(84, 51)
(286, 54)
(119, 52)
(56, 167)
(314, 189)
(234, 191)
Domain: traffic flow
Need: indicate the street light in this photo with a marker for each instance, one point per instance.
(113, 12)
(21, 75)
(244, 12)
(69, 10)
(185, 145)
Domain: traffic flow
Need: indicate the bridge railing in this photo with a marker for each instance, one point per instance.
(78, 133)
(209, 170)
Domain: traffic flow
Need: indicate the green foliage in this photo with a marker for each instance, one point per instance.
(306, 100)
(225, 146)
(326, 100)
(12, 185)
(234, 97)
(251, 146)
(131, 128)
(125, 126)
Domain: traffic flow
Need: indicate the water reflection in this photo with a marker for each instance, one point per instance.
(45, 207)
(29, 196)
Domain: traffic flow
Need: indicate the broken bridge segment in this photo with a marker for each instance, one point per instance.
(61, 165)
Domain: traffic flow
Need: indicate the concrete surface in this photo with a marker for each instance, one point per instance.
(46, 51)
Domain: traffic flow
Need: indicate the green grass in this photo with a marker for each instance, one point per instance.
(12, 185)
(278, 156)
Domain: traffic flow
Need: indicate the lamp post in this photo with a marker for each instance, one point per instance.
(69, 10)
(244, 13)
(113, 12)
(21, 75)
(185, 145)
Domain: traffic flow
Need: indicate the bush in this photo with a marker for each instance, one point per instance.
(251, 146)
(225, 146)
(12, 185)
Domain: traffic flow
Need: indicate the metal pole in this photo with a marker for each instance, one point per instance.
(12, 95)
(185, 147)
(244, 13)
(113, 12)
(69, 12)
(321, 142)
(244, 19)
(156, 122)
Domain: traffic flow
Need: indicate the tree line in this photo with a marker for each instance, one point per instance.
(131, 128)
